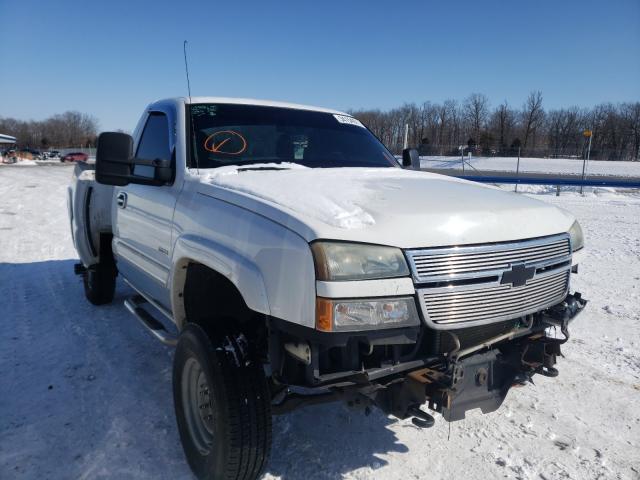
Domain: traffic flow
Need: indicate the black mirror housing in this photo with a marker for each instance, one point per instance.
(114, 158)
(411, 158)
(116, 165)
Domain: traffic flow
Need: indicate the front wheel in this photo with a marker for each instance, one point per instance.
(223, 406)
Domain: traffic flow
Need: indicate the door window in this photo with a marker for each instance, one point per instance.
(154, 143)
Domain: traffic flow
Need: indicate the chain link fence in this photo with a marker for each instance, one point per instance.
(605, 154)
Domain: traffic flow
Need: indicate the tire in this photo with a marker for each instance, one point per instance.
(223, 406)
(99, 284)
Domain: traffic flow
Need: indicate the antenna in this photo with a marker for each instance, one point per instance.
(186, 68)
(191, 130)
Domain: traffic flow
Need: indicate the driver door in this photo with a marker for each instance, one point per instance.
(144, 215)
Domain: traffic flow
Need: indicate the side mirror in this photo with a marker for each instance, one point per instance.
(411, 158)
(114, 158)
(115, 164)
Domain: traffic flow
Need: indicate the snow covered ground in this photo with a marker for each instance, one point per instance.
(538, 165)
(498, 164)
(86, 393)
(23, 162)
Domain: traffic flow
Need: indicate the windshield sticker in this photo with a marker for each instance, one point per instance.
(346, 119)
(227, 142)
(203, 110)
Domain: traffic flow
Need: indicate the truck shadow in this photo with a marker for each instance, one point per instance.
(329, 441)
(87, 392)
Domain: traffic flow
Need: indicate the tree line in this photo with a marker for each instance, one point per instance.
(65, 130)
(473, 125)
(447, 128)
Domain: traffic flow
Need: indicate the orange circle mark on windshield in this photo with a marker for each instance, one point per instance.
(226, 142)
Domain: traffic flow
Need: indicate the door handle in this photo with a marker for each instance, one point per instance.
(121, 200)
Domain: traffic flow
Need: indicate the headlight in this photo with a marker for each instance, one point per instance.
(365, 314)
(577, 237)
(352, 261)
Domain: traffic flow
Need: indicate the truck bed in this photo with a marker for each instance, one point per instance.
(89, 206)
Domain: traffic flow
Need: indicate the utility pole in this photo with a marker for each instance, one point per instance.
(589, 135)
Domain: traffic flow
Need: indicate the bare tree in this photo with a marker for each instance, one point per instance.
(502, 125)
(440, 128)
(70, 129)
(476, 112)
(564, 129)
(447, 117)
(533, 116)
(428, 118)
(631, 114)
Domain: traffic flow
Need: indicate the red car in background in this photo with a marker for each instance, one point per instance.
(74, 157)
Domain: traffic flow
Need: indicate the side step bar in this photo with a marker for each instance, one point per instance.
(134, 305)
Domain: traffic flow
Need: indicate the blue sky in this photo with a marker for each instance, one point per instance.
(111, 58)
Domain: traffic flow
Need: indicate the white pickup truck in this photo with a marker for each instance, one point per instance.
(292, 260)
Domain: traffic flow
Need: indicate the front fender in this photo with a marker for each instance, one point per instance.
(238, 269)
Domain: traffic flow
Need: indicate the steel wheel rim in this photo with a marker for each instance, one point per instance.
(197, 403)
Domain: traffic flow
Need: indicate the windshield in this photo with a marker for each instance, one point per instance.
(230, 134)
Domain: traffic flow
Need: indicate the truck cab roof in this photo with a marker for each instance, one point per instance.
(247, 101)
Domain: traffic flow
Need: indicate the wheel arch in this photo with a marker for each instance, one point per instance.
(235, 273)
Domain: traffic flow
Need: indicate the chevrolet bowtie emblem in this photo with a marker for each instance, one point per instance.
(518, 275)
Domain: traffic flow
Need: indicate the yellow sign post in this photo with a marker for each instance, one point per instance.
(587, 134)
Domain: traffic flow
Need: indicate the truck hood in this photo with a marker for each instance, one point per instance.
(387, 206)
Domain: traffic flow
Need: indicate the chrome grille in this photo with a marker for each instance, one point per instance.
(452, 305)
(465, 286)
(484, 260)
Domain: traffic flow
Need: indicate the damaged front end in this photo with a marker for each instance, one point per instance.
(474, 372)
(480, 376)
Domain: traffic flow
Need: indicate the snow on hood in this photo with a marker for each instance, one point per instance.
(337, 197)
(390, 206)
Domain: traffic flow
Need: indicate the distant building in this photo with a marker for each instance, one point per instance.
(7, 139)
